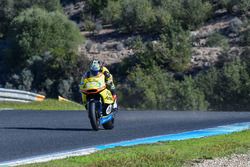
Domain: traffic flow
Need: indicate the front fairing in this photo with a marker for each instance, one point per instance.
(93, 85)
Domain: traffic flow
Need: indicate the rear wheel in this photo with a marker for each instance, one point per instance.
(109, 124)
(93, 116)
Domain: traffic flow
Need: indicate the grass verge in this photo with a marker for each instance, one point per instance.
(172, 154)
(49, 104)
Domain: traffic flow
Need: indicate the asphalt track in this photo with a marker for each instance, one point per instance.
(30, 133)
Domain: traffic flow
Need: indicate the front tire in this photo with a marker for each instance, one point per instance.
(93, 116)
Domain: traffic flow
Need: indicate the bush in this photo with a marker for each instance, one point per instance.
(227, 88)
(36, 31)
(112, 12)
(98, 28)
(100, 47)
(88, 45)
(245, 37)
(89, 25)
(174, 8)
(119, 47)
(156, 89)
(136, 15)
(154, 16)
(217, 40)
(10, 9)
(180, 50)
(94, 7)
(195, 13)
(245, 57)
(235, 25)
(172, 52)
(64, 87)
(237, 6)
(45, 45)
(207, 82)
(162, 20)
(189, 97)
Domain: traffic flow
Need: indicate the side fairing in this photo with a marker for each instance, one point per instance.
(107, 96)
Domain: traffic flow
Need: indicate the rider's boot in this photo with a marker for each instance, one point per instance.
(115, 106)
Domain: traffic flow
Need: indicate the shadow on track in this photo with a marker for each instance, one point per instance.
(47, 129)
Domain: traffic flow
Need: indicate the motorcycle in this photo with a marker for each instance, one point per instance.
(100, 102)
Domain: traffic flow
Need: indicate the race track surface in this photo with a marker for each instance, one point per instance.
(30, 133)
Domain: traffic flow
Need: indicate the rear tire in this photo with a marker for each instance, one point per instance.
(109, 125)
(94, 120)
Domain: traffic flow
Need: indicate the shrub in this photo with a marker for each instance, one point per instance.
(136, 15)
(36, 31)
(195, 13)
(188, 97)
(64, 87)
(45, 46)
(174, 8)
(112, 13)
(147, 87)
(162, 20)
(217, 40)
(88, 45)
(180, 50)
(237, 6)
(172, 52)
(156, 89)
(244, 6)
(100, 47)
(10, 9)
(119, 47)
(89, 25)
(235, 25)
(207, 82)
(245, 37)
(226, 88)
(94, 7)
(98, 28)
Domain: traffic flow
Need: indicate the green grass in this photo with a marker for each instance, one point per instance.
(50, 104)
(172, 154)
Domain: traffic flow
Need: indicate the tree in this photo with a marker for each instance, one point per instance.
(218, 40)
(227, 88)
(196, 12)
(112, 13)
(155, 89)
(137, 15)
(11, 8)
(45, 45)
(245, 37)
(172, 52)
(188, 96)
(94, 7)
(35, 31)
(148, 88)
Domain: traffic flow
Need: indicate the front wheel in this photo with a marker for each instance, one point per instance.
(93, 116)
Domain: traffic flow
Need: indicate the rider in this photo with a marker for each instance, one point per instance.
(95, 68)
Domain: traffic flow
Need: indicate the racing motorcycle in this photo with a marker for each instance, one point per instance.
(99, 102)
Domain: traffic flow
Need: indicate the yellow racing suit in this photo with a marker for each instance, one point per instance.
(108, 80)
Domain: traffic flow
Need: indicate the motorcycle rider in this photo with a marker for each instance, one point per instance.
(96, 68)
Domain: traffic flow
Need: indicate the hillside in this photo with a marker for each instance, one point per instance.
(163, 54)
(110, 46)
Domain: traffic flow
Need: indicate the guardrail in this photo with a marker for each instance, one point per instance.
(13, 95)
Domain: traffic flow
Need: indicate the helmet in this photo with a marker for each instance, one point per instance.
(95, 67)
